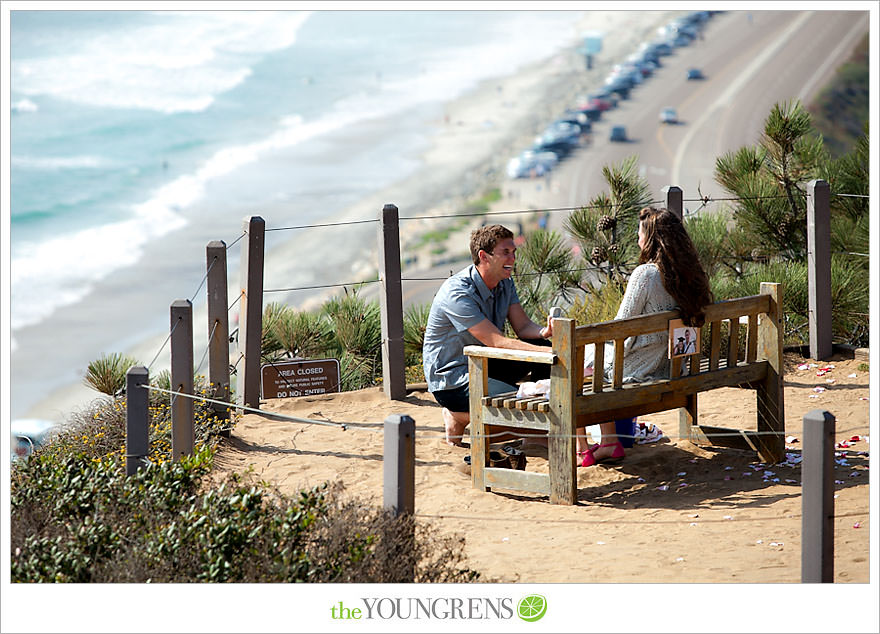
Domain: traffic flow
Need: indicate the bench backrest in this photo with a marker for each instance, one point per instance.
(734, 312)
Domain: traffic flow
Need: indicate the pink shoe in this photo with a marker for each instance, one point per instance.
(616, 456)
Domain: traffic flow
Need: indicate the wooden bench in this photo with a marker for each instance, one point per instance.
(573, 399)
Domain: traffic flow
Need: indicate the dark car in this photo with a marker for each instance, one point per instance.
(618, 134)
(695, 73)
(579, 119)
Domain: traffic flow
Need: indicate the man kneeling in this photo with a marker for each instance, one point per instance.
(471, 308)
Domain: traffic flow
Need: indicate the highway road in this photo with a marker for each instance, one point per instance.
(749, 65)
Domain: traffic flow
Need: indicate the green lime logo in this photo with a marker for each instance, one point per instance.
(532, 608)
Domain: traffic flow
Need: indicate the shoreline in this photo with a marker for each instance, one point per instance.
(470, 141)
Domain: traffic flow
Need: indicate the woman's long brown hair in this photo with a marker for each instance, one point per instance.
(668, 245)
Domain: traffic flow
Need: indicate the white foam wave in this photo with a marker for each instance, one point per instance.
(57, 162)
(59, 272)
(178, 64)
(24, 105)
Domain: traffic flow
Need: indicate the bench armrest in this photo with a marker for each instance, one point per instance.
(515, 355)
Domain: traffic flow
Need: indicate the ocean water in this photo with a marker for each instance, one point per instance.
(124, 125)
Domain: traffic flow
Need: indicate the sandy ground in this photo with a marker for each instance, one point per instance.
(672, 512)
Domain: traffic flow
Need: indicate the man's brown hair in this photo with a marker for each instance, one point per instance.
(486, 238)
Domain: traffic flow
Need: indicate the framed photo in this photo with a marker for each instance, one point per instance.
(683, 340)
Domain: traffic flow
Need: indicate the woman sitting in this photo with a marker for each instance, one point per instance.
(669, 276)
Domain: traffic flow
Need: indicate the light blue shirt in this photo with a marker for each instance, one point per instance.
(462, 302)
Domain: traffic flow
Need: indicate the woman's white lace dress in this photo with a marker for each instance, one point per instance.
(645, 357)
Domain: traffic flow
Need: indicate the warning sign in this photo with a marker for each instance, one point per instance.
(299, 378)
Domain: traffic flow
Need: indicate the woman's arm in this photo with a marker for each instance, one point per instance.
(637, 289)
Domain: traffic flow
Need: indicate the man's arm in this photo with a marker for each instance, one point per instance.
(489, 335)
(524, 327)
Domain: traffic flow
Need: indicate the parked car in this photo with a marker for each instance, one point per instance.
(580, 118)
(597, 100)
(668, 115)
(560, 137)
(531, 164)
(618, 134)
(27, 435)
(695, 73)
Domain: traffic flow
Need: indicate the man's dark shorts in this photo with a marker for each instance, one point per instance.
(504, 374)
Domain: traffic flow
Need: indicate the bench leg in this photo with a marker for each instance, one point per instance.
(771, 407)
(479, 385)
(771, 420)
(687, 420)
(563, 468)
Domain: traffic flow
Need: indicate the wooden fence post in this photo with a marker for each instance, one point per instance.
(399, 473)
(218, 328)
(250, 322)
(137, 418)
(674, 200)
(817, 518)
(391, 304)
(181, 378)
(819, 267)
(399, 464)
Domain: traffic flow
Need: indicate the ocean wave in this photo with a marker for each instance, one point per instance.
(40, 284)
(178, 64)
(24, 105)
(57, 162)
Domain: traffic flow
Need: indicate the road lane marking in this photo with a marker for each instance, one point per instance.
(846, 43)
(732, 89)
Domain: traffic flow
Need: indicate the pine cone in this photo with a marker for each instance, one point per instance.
(613, 249)
(606, 223)
(784, 226)
(598, 255)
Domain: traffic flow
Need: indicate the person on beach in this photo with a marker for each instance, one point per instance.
(472, 308)
(669, 276)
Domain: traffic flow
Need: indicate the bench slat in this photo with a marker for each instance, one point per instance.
(641, 392)
(517, 480)
(656, 322)
(512, 355)
(714, 344)
(733, 345)
(618, 362)
(752, 339)
(498, 399)
(598, 367)
(536, 421)
(523, 404)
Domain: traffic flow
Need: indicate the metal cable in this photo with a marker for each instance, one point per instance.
(294, 419)
(326, 224)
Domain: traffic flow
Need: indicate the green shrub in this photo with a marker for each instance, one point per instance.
(269, 344)
(415, 321)
(107, 374)
(302, 334)
(357, 324)
(97, 430)
(81, 520)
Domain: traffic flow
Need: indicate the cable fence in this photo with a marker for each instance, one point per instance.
(248, 332)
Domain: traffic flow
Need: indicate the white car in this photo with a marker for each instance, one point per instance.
(668, 115)
(27, 435)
